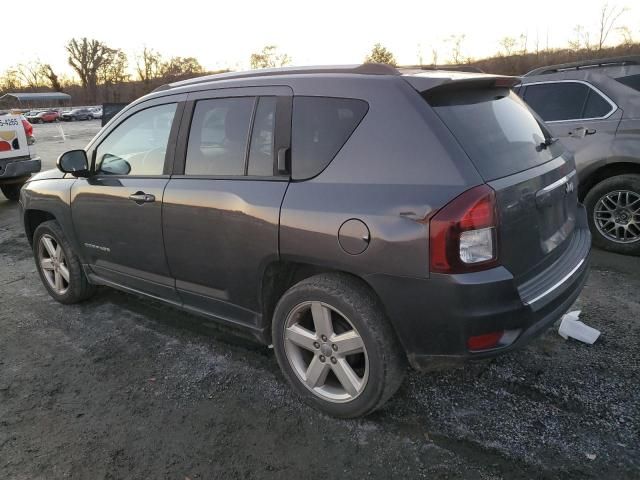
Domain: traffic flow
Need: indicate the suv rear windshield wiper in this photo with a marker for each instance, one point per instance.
(547, 143)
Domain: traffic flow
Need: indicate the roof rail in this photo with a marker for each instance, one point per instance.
(364, 69)
(586, 64)
(449, 68)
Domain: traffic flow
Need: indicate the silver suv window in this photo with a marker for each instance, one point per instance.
(567, 100)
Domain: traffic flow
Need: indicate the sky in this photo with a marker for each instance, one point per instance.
(224, 34)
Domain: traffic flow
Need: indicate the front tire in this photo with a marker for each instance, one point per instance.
(336, 347)
(11, 191)
(613, 208)
(59, 267)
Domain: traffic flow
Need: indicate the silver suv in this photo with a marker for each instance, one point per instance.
(355, 218)
(593, 107)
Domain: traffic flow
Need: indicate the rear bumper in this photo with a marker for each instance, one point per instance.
(16, 169)
(435, 317)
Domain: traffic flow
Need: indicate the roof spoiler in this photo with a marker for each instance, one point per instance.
(448, 68)
(459, 81)
(586, 64)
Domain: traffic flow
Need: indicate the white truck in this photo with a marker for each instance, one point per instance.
(17, 154)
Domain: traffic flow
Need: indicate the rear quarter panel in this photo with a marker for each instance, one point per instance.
(399, 166)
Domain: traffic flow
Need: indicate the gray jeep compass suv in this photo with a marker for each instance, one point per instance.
(593, 107)
(355, 218)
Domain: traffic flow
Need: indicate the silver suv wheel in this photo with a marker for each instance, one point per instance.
(617, 216)
(53, 264)
(326, 352)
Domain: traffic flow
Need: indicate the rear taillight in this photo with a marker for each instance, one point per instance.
(28, 128)
(463, 234)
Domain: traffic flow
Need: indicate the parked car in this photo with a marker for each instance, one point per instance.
(77, 114)
(48, 116)
(96, 112)
(354, 218)
(593, 107)
(17, 154)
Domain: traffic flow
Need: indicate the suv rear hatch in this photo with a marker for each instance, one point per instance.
(13, 137)
(533, 178)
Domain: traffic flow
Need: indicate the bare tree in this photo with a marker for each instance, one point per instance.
(86, 57)
(627, 36)
(31, 74)
(524, 41)
(456, 48)
(269, 58)
(580, 39)
(114, 71)
(434, 56)
(180, 67)
(148, 65)
(508, 44)
(609, 16)
(10, 81)
(50, 75)
(112, 74)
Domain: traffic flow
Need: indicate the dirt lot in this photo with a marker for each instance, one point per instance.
(121, 387)
(52, 139)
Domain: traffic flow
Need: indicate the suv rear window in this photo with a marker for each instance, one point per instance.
(632, 81)
(320, 127)
(495, 128)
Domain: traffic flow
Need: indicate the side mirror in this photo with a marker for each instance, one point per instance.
(74, 162)
(114, 165)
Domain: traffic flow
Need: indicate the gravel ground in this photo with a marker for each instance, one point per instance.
(52, 139)
(124, 387)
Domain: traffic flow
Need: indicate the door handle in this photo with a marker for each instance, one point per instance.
(141, 197)
(581, 132)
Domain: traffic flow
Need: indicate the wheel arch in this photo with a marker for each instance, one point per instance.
(32, 219)
(605, 171)
(279, 276)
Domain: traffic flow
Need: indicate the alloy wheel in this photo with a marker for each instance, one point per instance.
(617, 216)
(326, 352)
(53, 264)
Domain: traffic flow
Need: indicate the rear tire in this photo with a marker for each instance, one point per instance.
(353, 314)
(56, 260)
(11, 191)
(615, 221)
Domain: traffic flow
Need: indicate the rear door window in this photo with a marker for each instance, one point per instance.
(496, 129)
(557, 101)
(262, 137)
(218, 136)
(320, 128)
(596, 106)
